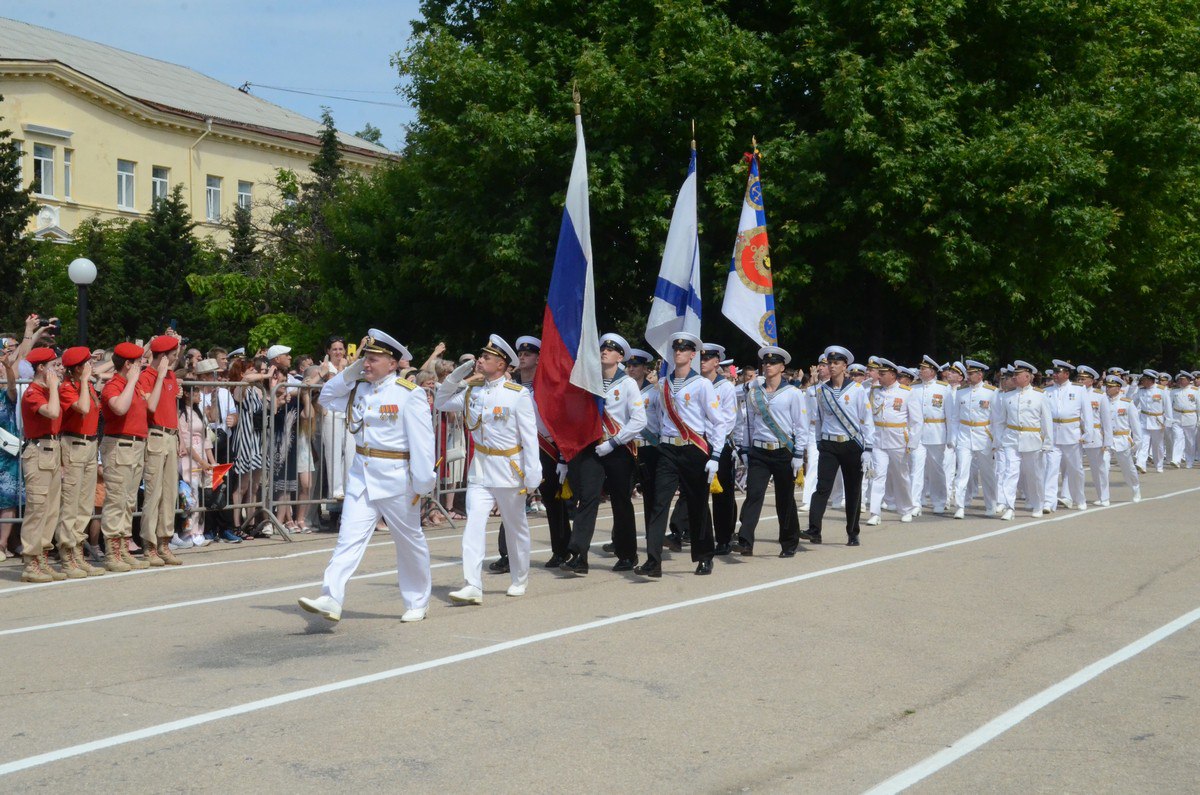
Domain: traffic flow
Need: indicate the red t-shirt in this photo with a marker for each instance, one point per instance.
(132, 422)
(72, 420)
(167, 414)
(37, 426)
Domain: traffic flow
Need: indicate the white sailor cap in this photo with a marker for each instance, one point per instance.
(498, 347)
(617, 341)
(639, 356)
(1117, 371)
(945, 366)
(529, 344)
(724, 362)
(980, 367)
(1083, 369)
(929, 361)
(1148, 373)
(908, 371)
(233, 354)
(773, 351)
(1048, 372)
(1195, 373)
(838, 350)
(1183, 374)
(1113, 379)
(1164, 376)
(382, 342)
(857, 368)
(1020, 364)
(686, 339)
(713, 349)
(959, 368)
(885, 364)
(1062, 364)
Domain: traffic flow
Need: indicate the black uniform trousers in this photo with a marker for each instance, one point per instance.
(556, 509)
(761, 467)
(832, 456)
(647, 467)
(588, 473)
(682, 468)
(723, 516)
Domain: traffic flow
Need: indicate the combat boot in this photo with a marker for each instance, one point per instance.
(33, 570)
(69, 567)
(153, 559)
(127, 557)
(81, 560)
(112, 556)
(167, 554)
(44, 560)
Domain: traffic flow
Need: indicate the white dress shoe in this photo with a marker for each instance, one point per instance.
(915, 512)
(961, 513)
(414, 614)
(1081, 506)
(906, 518)
(467, 595)
(1038, 514)
(874, 520)
(803, 508)
(1007, 515)
(516, 589)
(1137, 495)
(324, 606)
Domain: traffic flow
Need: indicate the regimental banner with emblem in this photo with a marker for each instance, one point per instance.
(749, 291)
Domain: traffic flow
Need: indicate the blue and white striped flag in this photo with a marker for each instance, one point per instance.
(676, 305)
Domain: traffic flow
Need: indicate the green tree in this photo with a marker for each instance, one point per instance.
(371, 133)
(17, 209)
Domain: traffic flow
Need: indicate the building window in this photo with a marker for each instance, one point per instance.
(244, 193)
(125, 169)
(212, 196)
(160, 183)
(43, 169)
(67, 158)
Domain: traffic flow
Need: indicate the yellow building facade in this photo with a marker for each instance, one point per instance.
(92, 148)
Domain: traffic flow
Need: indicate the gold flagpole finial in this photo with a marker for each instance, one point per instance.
(575, 95)
(693, 135)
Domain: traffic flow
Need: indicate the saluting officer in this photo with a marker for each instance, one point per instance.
(975, 402)
(80, 407)
(122, 452)
(1071, 411)
(611, 462)
(772, 445)
(41, 416)
(898, 422)
(160, 389)
(1023, 428)
(506, 465)
(393, 466)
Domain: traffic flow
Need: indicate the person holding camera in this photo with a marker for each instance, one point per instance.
(41, 416)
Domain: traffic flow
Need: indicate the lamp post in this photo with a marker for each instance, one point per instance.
(83, 272)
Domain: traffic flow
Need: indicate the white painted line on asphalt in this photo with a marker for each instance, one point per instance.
(994, 728)
(160, 729)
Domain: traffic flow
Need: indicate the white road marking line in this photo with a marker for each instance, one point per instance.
(994, 728)
(160, 729)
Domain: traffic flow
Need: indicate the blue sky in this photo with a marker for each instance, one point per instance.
(335, 48)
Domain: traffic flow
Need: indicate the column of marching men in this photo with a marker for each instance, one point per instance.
(877, 438)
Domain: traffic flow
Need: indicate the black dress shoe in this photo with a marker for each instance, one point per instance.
(609, 548)
(675, 543)
(500, 565)
(723, 549)
(788, 553)
(651, 568)
(625, 564)
(810, 535)
(745, 550)
(556, 560)
(853, 542)
(704, 567)
(577, 565)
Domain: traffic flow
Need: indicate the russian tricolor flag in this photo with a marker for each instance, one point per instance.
(568, 382)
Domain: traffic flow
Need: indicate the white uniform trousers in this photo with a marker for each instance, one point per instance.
(810, 470)
(1098, 462)
(1151, 446)
(928, 469)
(1027, 468)
(1124, 460)
(359, 516)
(981, 465)
(1065, 461)
(892, 476)
(511, 502)
(949, 470)
(1183, 450)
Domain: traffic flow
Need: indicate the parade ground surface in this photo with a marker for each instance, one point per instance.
(1049, 655)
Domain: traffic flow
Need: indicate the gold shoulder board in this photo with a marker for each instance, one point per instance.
(906, 388)
(513, 386)
(942, 383)
(404, 382)
(1038, 389)
(989, 387)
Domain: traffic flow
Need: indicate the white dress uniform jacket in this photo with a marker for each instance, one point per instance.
(898, 417)
(1155, 407)
(727, 410)
(1023, 421)
(788, 408)
(697, 405)
(974, 407)
(625, 407)
(649, 434)
(937, 410)
(1071, 411)
(500, 416)
(1125, 423)
(390, 415)
(1101, 435)
(1183, 406)
(855, 401)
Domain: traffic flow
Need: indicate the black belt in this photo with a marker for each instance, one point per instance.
(53, 437)
(131, 437)
(164, 429)
(82, 436)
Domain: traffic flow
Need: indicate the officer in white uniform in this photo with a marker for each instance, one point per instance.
(1022, 426)
(1098, 443)
(928, 457)
(393, 465)
(1071, 411)
(1183, 406)
(1126, 431)
(611, 462)
(975, 401)
(954, 374)
(506, 465)
(772, 440)
(1153, 405)
(897, 417)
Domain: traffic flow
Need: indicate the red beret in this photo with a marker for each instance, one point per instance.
(163, 344)
(39, 355)
(74, 356)
(128, 351)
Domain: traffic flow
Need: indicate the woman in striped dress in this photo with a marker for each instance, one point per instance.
(247, 433)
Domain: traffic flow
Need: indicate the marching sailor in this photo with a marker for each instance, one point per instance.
(1183, 405)
(1126, 431)
(928, 457)
(1153, 405)
(773, 441)
(638, 367)
(898, 423)
(1071, 411)
(1023, 429)
(974, 402)
(1099, 441)
(393, 465)
(506, 466)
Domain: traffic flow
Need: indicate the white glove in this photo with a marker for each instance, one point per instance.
(561, 471)
(532, 484)
(950, 443)
(353, 371)
(797, 465)
(604, 448)
(461, 372)
(745, 459)
(866, 459)
(711, 468)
